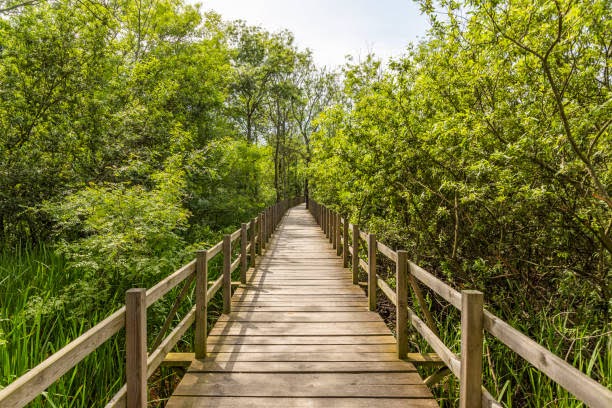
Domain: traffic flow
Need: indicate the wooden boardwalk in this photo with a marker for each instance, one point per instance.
(300, 335)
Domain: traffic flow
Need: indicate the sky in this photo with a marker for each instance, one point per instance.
(333, 28)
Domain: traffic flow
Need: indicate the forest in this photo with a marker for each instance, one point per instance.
(133, 133)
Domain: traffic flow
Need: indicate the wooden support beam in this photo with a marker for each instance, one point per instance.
(372, 271)
(243, 252)
(470, 388)
(178, 360)
(337, 239)
(355, 255)
(227, 274)
(136, 347)
(401, 290)
(345, 242)
(201, 313)
(253, 252)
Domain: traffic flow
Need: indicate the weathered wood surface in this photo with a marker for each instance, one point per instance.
(300, 335)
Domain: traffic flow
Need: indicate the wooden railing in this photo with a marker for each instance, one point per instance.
(474, 319)
(141, 364)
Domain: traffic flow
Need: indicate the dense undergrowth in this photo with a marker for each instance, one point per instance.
(36, 322)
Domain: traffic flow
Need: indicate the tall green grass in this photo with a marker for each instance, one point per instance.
(513, 381)
(587, 345)
(34, 324)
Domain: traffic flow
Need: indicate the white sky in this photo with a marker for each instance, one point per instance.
(333, 28)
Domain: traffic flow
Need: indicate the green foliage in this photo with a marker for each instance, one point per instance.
(484, 152)
(229, 181)
(123, 150)
(119, 235)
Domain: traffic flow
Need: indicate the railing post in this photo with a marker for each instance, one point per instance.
(471, 349)
(269, 223)
(260, 230)
(201, 313)
(401, 288)
(243, 252)
(324, 224)
(136, 347)
(323, 220)
(355, 258)
(337, 238)
(252, 241)
(332, 228)
(345, 246)
(227, 275)
(372, 283)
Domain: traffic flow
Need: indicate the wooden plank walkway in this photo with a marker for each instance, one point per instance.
(300, 335)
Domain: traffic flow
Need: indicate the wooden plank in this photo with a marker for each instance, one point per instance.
(263, 282)
(300, 366)
(449, 294)
(386, 289)
(349, 317)
(299, 385)
(450, 359)
(386, 251)
(223, 357)
(158, 355)
(309, 380)
(299, 290)
(216, 249)
(178, 360)
(214, 288)
(235, 235)
(313, 348)
(303, 329)
(235, 265)
(274, 402)
(297, 340)
(302, 301)
(293, 308)
(169, 283)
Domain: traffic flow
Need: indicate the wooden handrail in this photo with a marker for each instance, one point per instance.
(27, 387)
(573, 380)
(166, 285)
(386, 251)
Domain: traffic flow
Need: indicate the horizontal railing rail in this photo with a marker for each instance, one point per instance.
(475, 320)
(140, 363)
